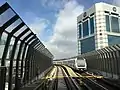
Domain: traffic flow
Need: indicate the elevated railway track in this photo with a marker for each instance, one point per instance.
(61, 77)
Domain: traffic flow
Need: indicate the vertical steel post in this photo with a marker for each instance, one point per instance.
(2, 80)
(17, 67)
(117, 58)
(33, 64)
(22, 61)
(11, 65)
(110, 61)
(29, 65)
(1, 32)
(26, 61)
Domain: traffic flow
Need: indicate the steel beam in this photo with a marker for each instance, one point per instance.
(3, 8)
(8, 23)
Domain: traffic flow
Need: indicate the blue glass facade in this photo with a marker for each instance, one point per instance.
(92, 25)
(85, 28)
(80, 31)
(113, 40)
(107, 23)
(114, 24)
(87, 44)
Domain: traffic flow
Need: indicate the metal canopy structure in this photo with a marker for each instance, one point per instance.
(30, 52)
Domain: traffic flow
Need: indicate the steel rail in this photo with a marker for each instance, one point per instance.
(55, 83)
(44, 81)
(70, 82)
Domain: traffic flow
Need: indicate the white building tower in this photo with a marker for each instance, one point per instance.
(98, 27)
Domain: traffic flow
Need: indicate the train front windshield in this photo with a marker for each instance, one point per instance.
(81, 62)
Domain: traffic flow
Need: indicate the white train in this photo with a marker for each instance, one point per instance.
(76, 63)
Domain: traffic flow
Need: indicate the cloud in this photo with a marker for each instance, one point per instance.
(116, 2)
(54, 4)
(63, 43)
(36, 24)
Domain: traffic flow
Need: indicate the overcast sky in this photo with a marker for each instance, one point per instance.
(54, 21)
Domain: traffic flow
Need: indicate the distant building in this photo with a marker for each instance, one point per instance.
(98, 27)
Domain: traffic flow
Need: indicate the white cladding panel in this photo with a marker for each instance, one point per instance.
(89, 11)
(106, 7)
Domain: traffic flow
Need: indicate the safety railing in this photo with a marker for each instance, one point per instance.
(105, 61)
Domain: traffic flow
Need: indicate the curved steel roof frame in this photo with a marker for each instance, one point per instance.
(28, 37)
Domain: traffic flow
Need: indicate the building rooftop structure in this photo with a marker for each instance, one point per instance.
(98, 27)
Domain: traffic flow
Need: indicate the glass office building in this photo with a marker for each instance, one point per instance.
(98, 27)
